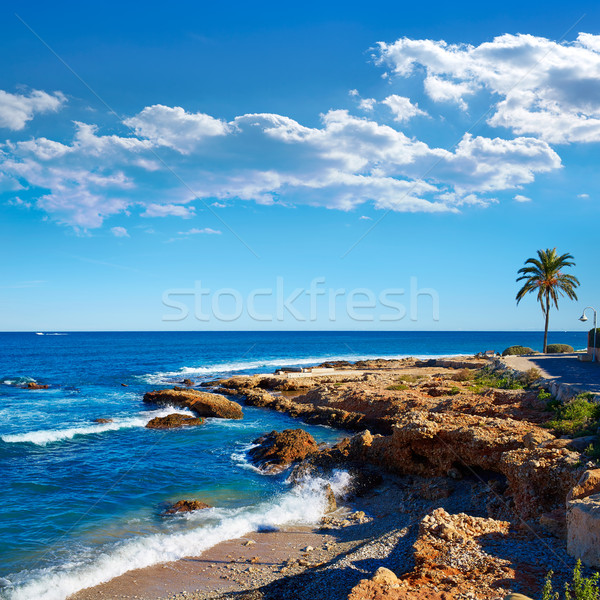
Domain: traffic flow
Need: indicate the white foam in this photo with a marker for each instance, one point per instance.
(47, 436)
(168, 377)
(303, 504)
(241, 458)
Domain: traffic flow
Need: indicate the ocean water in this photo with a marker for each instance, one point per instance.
(81, 502)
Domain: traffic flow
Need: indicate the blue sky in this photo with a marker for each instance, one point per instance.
(254, 150)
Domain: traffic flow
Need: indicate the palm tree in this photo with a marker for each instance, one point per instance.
(544, 275)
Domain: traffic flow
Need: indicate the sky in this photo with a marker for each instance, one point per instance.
(259, 166)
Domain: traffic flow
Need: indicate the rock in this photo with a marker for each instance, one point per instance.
(580, 444)
(331, 504)
(101, 420)
(124, 385)
(174, 420)
(555, 522)
(186, 506)
(516, 597)
(583, 530)
(588, 484)
(201, 403)
(383, 575)
(187, 382)
(308, 549)
(277, 450)
(35, 386)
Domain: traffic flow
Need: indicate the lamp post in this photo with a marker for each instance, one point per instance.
(583, 318)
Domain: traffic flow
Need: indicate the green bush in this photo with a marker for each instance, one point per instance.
(558, 348)
(577, 417)
(544, 395)
(487, 378)
(530, 376)
(581, 588)
(591, 338)
(398, 387)
(517, 351)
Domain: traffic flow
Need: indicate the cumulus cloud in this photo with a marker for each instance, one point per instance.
(343, 162)
(175, 128)
(539, 87)
(17, 109)
(402, 108)
(367, 104)
(521, 198)
(119, 231)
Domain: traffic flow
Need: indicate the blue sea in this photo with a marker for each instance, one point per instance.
(81, 502)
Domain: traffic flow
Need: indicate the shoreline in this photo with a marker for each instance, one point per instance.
(233, 569)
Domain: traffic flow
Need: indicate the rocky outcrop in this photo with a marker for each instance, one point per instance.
(278, 450)
(449, 563)
(201, 403)
(173, 421)
(35, 386)
(588, 484)
(186, 506)
(583, 530)
(102, 421)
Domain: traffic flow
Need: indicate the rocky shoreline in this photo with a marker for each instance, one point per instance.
(464, 493)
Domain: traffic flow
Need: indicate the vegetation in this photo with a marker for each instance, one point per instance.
(559, 348)
(397, 387)
(580, 588)
(489, 378)
(544, 395)
(464, 375)
(577, 417)
(545, 276)
(410, 378)
(517, 351)
(454, 390)
(591, 338)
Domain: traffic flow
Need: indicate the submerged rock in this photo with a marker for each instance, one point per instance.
(277, 450)
(32, 385)
(201, 403)
(186, 506)
(103, 421)
(174, 420)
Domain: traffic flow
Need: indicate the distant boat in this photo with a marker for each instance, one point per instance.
(39, 333)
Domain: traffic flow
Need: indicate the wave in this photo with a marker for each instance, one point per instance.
(47, 436)
(17, 380)
(304, 504)
(169, 377)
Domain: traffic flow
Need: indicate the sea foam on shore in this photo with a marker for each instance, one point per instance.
(304, 504)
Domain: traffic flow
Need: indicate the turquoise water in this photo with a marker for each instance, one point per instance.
(81, 502)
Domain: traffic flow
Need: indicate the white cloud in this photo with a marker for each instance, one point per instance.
(402, 108)
(539, 86)
(521, 198)
(353, 93)
(119, 231)
(168, 210)
(367, 104)
(195, 231)
(364, 218)
(583, 196)
(175, 128)
(17, 109)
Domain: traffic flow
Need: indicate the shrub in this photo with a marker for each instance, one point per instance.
(464, 375)
(577, 417)
(544, 395)
(558, 348)
(453, 391)
(530, 376)
(517, 351)
(581, 588)
(397, 387)
(505, 380)
(591, 338)
(410, 378)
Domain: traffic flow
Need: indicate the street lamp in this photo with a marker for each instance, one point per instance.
(583, 318)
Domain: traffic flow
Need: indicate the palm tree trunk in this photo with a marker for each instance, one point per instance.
(547, 320)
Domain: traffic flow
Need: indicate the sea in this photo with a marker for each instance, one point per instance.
(83, 502)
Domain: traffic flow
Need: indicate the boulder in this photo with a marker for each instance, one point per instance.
(583, 530)
(201, 403)
(277, 450)
(35, 386)
(186, 506)
(102, 421)
(588, 484)
(385, 576)
(187, 382)
(174, 420)
(331, 503)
